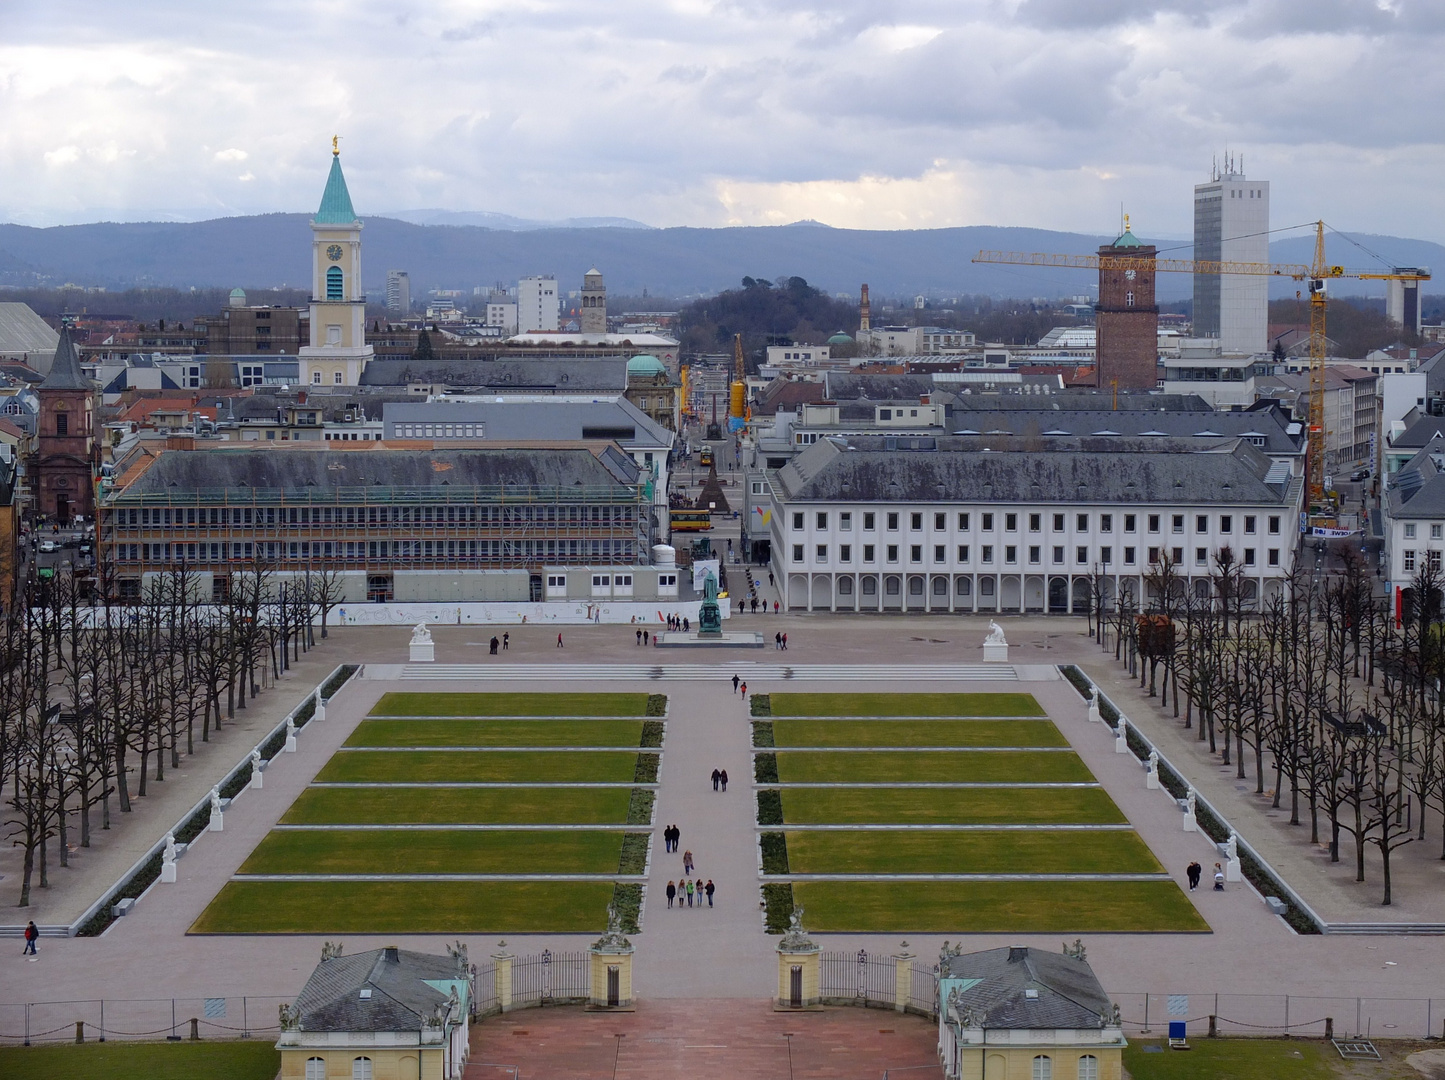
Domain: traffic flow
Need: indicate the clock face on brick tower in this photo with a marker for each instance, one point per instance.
(334, 252)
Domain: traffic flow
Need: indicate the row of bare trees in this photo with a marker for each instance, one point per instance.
(1326, 693)
(99, 698)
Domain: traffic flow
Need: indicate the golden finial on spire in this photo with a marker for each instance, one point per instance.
(1126, 222)
(336, 146)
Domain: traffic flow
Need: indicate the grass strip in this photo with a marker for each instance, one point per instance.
(435, 852)
(511, 704)
(778, 906)
(866, 704)
(1237, 1059)
(996, 907)
(405, 907)
(494, 766)
(920, 733)
(232, 1060)
(407, 733)
(947, 806)
(459, 806)
(931, 766)
(1002, 852)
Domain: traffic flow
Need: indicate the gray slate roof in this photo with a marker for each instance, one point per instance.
(513, 419)
(1224, 472)
(65, 373)
(1269, 425)
(300, 470)
(1069, 995)
(1421, 432)
(1418, 489)
(400, 999)
(24, 333)
(561, 375)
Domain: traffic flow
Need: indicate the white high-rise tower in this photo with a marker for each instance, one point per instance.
(338, 351)
(1231, 224)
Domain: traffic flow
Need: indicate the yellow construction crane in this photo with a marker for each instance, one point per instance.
(1316, 274)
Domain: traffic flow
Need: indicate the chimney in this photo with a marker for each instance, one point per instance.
(863, 311)
(391, 956)
(1017, 953)
(301, 397)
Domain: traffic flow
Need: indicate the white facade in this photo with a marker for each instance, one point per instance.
(1402, 303)
(798, 355)
(398, 291)
(1231, 224)
(537, 301)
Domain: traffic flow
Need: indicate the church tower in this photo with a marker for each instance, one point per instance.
(1126, 318)
(65, 457)
(338, 351)
(594, 303)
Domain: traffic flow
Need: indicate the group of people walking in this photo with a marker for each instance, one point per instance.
(505, 641)
(736, 683)
(719, 776)
(678, 622)
(1194, 872)
(688, 890)
(751, 603)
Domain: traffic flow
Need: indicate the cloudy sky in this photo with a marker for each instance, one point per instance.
(859, 113)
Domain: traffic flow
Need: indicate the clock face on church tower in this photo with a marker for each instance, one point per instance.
(334, 252)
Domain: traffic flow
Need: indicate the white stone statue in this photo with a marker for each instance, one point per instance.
(217, 818)
(995, 634)
(421, 649)
(168, 859)
(1094, 716)
(1121, 737)
(420, 635)
(290, 736)
(256, 769)
(1191, 824)
(1151, 770)
(1231, 847)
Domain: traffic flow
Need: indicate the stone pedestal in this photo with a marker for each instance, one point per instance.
(218, 821)
(257, 781)
(502, 963)
(1151, 780)
(290, 747)
(320, 713)
(168, 873)
(1189, 821)
(1094, 717)
(1121, 738)
(422, 652)
(1232, 870)
(995, 652)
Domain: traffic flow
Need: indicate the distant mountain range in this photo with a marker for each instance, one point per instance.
(444, 249)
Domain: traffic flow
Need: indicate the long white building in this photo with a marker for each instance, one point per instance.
(941, 525)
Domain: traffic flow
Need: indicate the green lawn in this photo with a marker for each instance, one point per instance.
(1232, 1059)
(496, 733)
(855, 704)
(996, 907)
(940, 806)
(513, 704)
(434, 852)
(460, 806)
(917, 733)
(253, 1059)
(423, 766)
(932, 766)
(1002, 852)
(406, 907)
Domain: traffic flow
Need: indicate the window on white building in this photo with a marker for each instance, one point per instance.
(821, 555)
(1409, 530)
(797, 552)
(1407, 562)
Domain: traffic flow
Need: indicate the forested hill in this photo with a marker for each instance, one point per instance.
(273, 250)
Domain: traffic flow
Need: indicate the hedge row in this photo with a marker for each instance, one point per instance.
(656, 705)
(627, 899)
(634, 854)
(770, 807)
(765, 768)
(775, 852)
(646, 770)
(777, 906)
(762, 704)
(652, 733)
(639, 807)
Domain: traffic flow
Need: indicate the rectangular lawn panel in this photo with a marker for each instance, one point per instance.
(856, 704)
(406, 907)
(931, 766)
(496, 733)
(510, 704)
(950, 806)
(434, 852)
(921, 733)
(480, 766)
(459, 806)
(250, 1059)
(996, 907)
(1003, 852)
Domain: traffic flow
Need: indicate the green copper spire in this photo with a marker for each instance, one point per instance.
(335, 200)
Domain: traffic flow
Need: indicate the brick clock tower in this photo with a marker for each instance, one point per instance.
(1126, 317)
(66, 450)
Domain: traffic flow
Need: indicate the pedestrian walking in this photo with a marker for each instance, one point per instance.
(715, 777)
(708, 890)
(736, 680)
(686, 624)
(770, 579)
(775, 607)
(506, 639)
(744, 691)
(689, 891)
(639, 637)
(1194, 872)
(778, 640)
(494, 644)
(723, 776)
(32, 934)
(1218, 878)
(644, 637)
(671, 892)
(785, 643)
(687, 862)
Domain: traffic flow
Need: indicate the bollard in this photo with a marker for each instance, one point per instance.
(195, 1029)
(1329, 1027)
(1213, 1026)
(80, 1031)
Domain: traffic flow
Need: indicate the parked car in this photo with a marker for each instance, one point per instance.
(47, 545)
(1360, 474)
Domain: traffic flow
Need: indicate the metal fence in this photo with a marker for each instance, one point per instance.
(551, 978)
(484, 989)
(1284, 1014)
(107, 1019)
(923, 990)
(858, 978)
